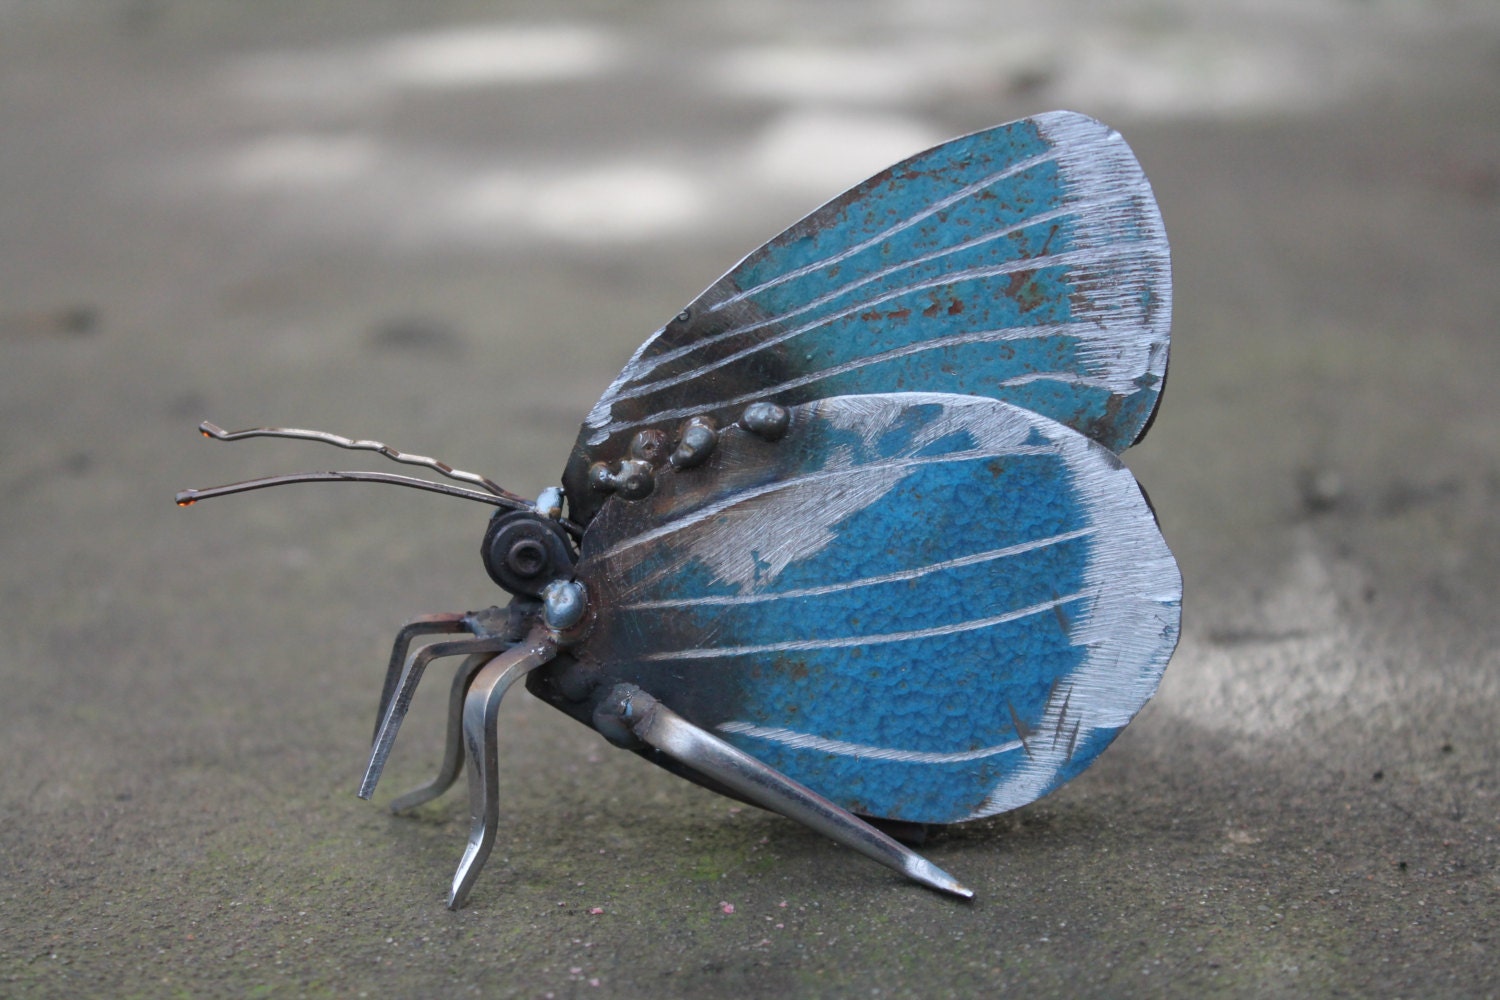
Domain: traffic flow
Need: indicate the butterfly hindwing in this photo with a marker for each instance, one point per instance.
(925, 607)
(1025, 263)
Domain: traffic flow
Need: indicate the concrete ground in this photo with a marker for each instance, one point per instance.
(446, 225)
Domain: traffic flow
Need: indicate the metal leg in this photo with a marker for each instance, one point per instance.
(453, 751)
(660, 727)
(481, 736)
(400, 699)
(421, 625)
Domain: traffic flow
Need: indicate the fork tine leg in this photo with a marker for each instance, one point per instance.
(660, 727)
(400, 699)
(421, 625)
(480, 737)
(453, 750)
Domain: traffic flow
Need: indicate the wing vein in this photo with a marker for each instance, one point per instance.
(794, 740)
(1087, 256)
(967, 191)
(1070, 209)
(869, 581)
(1000, 335)
(844, 642)
(859, 471)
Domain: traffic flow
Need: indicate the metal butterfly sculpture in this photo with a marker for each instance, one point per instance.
(848, 538)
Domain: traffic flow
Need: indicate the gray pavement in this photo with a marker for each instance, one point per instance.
(447, 226)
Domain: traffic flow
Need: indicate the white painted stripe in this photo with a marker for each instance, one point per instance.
(1085, 257)
(1067, 378)
(1082, 331)
(1086, 332)
(936, 344)
(845, 642)
(1129, 342)
(840, 748)
(968, 191)
(1075, 208)
(869, 581)
(858, 472)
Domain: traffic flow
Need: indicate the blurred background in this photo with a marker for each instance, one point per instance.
(446, 226)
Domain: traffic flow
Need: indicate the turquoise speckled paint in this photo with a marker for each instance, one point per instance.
(905, 604)
(941, 595)
(1026, 263)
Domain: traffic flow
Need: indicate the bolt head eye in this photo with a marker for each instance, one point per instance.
(526, 558)
(523, 552)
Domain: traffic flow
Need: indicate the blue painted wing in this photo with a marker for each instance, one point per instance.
(925, 607)
(1025, 263)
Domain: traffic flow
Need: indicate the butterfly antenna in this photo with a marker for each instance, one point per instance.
(492, 494)
(210, 430)
(186, 498)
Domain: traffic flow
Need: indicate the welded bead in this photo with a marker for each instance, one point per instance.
(549, 503)
(601, 479)
(564, 605)
(767, 421)
(648, 445)
(699, 438)
(635, 480)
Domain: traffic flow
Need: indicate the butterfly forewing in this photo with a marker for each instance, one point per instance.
(925, 607)
(1025, 263)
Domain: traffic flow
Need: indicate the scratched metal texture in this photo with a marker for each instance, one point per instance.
(925, 607)
(1026, 262)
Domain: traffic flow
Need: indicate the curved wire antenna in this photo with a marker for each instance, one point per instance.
(186, 498)
(210, 430)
